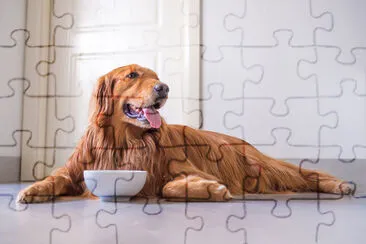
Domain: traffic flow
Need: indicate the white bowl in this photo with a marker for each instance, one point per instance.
(115, 185)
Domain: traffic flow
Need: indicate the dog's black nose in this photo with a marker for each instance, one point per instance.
(162, 90)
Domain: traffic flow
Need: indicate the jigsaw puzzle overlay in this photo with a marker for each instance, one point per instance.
(287, 76)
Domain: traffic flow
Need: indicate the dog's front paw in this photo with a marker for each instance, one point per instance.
(219, 192)
(36, 193)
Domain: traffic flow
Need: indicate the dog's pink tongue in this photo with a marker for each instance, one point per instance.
(153, 116)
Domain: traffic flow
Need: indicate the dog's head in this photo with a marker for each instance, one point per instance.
(129, 94)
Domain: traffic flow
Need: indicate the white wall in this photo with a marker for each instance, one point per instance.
(12, 17)
(287, 76)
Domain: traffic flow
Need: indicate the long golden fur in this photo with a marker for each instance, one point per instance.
(182, 163)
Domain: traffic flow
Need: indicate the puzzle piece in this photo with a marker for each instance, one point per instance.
(348, 134)
(215, 225)
(281, 144)
(215, 35)
(84, 228)
(113, 14)
(256, 122)
(181, 94)
(260, 19)
(12, 122)
(17, 20)
(175, 231)
(231, 72)
(289, 81)
(215, 93)
(168, 31)
(14, 74)
(62, 123)
(344, 211)
(281, 202)
(10, 66)
(62, 22)
(28, 147)
(11, 147)
(330, 73)
(305, 216)
(347, 32)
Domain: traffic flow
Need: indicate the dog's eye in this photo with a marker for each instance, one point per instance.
(132, 75)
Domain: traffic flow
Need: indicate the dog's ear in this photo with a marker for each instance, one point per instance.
(101, 105)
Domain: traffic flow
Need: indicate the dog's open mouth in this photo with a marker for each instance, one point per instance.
(144, 114)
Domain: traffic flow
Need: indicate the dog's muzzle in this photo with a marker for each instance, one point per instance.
(161, 90)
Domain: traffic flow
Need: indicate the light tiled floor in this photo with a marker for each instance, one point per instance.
(279, 219)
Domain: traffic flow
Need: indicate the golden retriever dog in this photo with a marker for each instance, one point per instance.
(126, 131)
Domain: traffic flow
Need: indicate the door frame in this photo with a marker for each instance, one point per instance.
(34, 123)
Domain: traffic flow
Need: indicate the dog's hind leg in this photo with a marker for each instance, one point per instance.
(195, 188)
(280, 176)
(323, 182)
(287, 176)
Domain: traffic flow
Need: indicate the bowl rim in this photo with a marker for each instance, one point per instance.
(115, 171)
